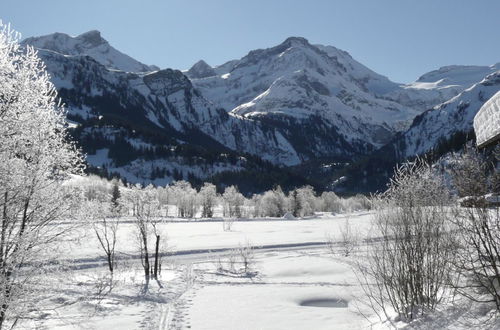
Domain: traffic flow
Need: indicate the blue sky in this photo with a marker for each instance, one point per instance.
(401, 39)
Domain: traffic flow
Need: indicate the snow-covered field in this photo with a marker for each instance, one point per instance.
(298, 283)
(294, 290)
(295, 282)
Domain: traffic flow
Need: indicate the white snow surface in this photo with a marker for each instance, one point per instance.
(299, 284)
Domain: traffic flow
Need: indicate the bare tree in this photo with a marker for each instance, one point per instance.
(146, 221)
(478, 229)
(349, 238)
(105, 224)
(410, 269)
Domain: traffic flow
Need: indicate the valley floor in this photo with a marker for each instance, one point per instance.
(295, 281)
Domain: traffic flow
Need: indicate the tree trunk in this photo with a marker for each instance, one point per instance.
(156, 256)
(146, 254)
(110, 263)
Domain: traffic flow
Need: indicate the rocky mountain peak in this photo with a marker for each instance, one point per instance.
(296, 41)
(92, 38)
(200, 70)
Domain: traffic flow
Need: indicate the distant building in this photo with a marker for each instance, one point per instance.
(487, 123)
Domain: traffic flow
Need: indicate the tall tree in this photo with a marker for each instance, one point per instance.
(35, 157)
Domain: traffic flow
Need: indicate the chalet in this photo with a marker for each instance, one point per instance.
(487, 123)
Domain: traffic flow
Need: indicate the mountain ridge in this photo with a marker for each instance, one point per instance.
(288, 104)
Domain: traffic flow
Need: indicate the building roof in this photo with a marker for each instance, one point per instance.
(487, 122)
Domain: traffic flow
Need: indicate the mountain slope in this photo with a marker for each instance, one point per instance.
(163, 100)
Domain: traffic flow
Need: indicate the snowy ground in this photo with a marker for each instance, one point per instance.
(295, 281)
(294, 290)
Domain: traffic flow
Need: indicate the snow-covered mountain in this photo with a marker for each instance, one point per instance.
(299, 81)
(306, 84)
(443, 121)
(163, 99)
(92, 44)
(154, 126)
(438, 86)
(286, 104)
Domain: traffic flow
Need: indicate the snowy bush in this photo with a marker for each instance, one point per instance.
(411, 267)
(349, 238)
(470, 173)
(239, 261)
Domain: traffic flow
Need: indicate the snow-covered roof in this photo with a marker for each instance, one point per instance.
(487, 122)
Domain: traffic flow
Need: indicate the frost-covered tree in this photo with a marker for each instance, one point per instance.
(331, 202)
(233, 201)
(35, 157)
(356, 203)
(255, 203)
(470, 173)
(307, 201)
(184, 196)
(207, 199)
(273, 203)
(147, 212)
(164, 199)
